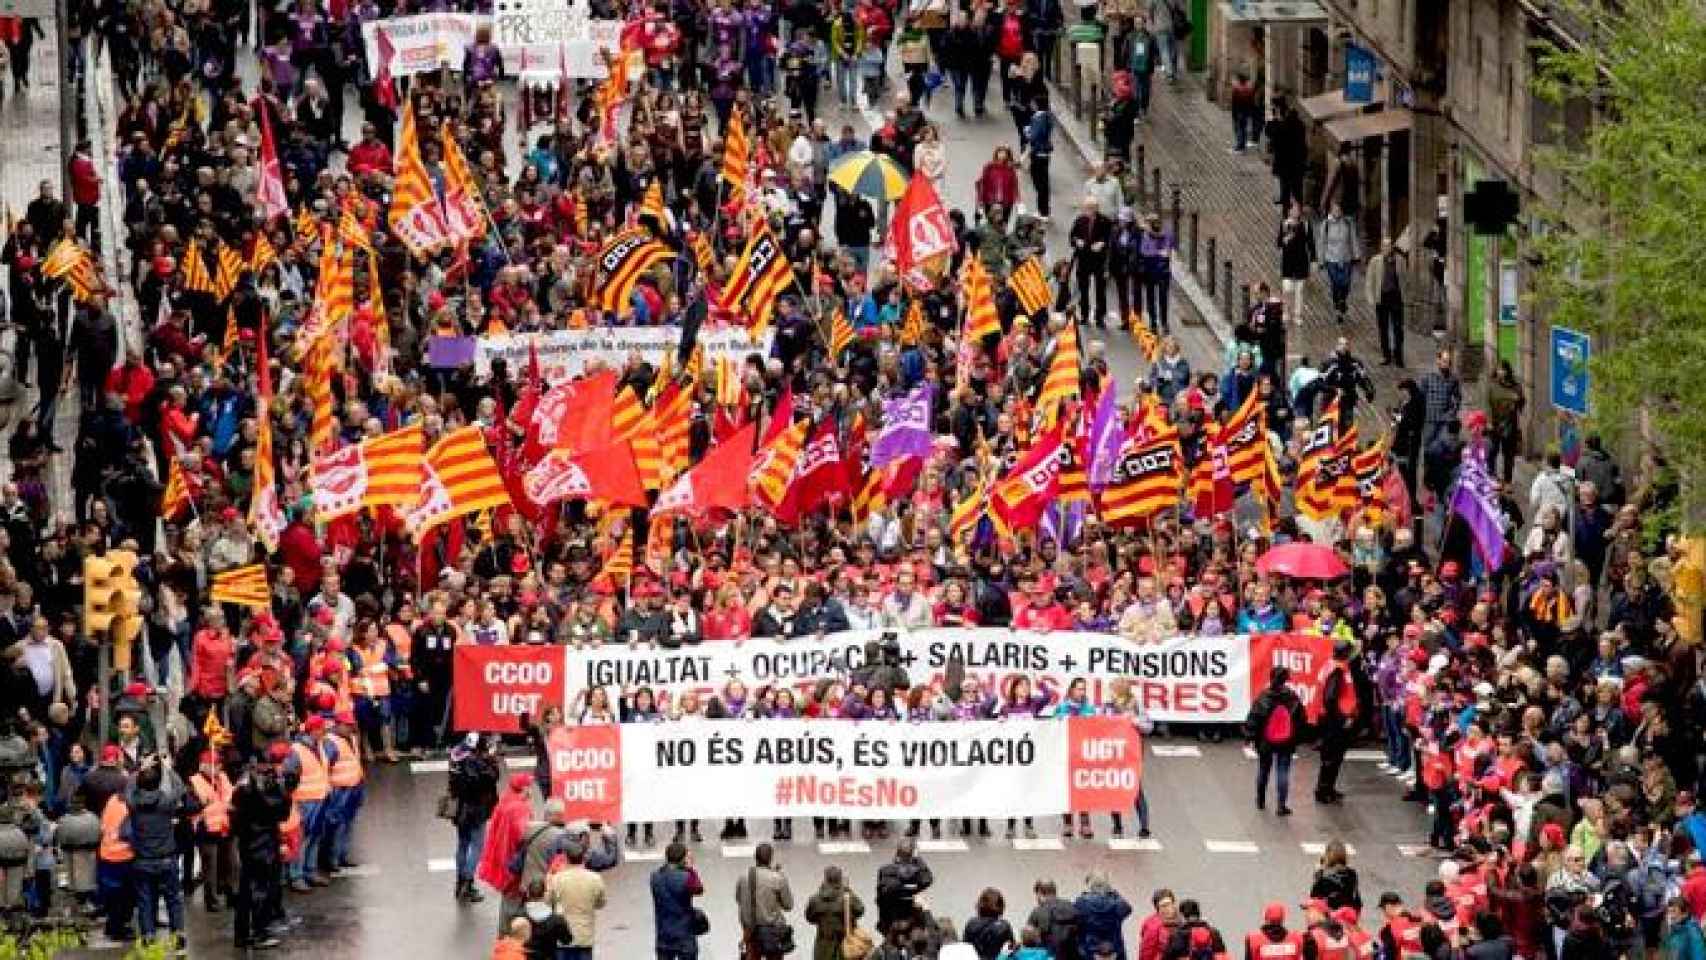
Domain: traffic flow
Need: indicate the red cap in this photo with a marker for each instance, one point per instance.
(278, 752)
(1552, 835)
(1317, 904)
(137, 690)
(518, 562)
(325, 701)
(111, 754)
(229, 513)
(346, 717)
(1419, 657)
(1448, 569)
(1346, 916)
(1273, 913)
(314, 724)
(335, 645)
(163, 266)
(519, 782)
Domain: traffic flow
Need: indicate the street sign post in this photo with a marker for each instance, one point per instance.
(1359, 74)
(1571, 350)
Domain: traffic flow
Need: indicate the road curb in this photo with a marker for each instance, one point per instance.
(1205, 305)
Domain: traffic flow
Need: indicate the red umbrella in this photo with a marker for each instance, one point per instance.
(1307, 561)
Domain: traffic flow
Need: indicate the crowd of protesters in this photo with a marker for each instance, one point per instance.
(1547, 707)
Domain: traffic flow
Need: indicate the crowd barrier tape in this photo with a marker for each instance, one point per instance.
(1182, 679)
(612, 773)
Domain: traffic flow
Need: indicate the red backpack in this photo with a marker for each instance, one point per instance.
(1276, 732)
(1011, 45)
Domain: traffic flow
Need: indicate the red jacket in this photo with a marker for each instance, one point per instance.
(999, 183)
(132, 382)
(85, 180)
(209, 658)
(1152, 937)
(374, 156)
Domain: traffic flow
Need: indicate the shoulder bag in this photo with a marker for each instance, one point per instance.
(856, 944)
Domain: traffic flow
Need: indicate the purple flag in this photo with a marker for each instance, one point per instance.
(906, 428)
(1473, 499)
(1062, 522)
(1107, 434)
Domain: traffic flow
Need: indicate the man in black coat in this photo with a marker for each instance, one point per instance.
(898, 885)
(259, 806)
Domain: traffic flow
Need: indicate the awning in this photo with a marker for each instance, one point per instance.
(1256, 13)
(1365, 125)
(1332, 105)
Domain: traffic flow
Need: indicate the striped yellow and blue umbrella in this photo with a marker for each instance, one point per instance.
(869, 175)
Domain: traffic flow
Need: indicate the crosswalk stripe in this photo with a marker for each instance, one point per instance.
(843, 847)
(643, 856)
(1039, 844)
(737, 851)
(943, 846)
(1143, 845)
(1316, 847)
(1249, 752)
(1365, 756)
(1231, 846)
(441, 864)
(1414, 849)
(429, 766)
(365, 870)
(1174, 750)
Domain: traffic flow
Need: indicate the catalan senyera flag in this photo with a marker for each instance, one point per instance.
(70, 262)
(737, 152)
(652, 205)
(1369, 468)
(1146, 479)
(306, 226)
(1029, 282)
(459, 477)
(620, 563)
(244, 586)
(774, 465)
(1325, 485)
(627, 413)
(1074, 478)
(352, 233)
(229, 270)
(195, 275)
(840, 333)
(1061, 384)
(382, 472)
(176, 498)
(968, 511)
(228, 345)
(703, 256)
(672, 413)
(465, 212)
(730, 391)
(262, 254)
(1243, 435)
(416, 215)
(266, 515)
(982, 319)
(621, 264)
(759, 278)
(1148, 343)
(317, 380)
(912, 328)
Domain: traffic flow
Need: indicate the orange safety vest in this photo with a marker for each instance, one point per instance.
(114, 848)
(1407, 933)
(313, 785)
(374, 680)
(1362, 944)
(215, 816)
(346, 769)
(1326, 948)
(403, 643)
(1260, 947)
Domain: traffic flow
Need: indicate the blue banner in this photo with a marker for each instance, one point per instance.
(1359, 74)
(1571, 350)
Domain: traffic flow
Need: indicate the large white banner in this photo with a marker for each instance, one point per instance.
(788, 768)
(567, 353)
(424, 42)
(1184, 678)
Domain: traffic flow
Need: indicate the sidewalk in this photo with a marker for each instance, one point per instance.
(1188, 137)
(29, 154)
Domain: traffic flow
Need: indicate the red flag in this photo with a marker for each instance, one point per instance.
(269, 186)
(606, 474)
(923, 237)
(717, 482)
(532, 385)
(818, 476)
(384, 92)
(573, 415)
(1019, 499)
(782, 418)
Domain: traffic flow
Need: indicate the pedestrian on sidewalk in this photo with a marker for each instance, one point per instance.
(1039, 145)
(1274, 722)
(86, 193)
(1125, 264)
(962, 47)
(1297, 254)
(1156, 252)
(1337, 244)
(1385, 287)
(1140, 60)
(1288, 141)
(1246, 104)
(1346, 376)
(1444, 395)
(1163, 21)
(847, 42)
(764, 898)
(1090, 234)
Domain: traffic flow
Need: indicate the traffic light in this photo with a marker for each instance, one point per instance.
(112, 600)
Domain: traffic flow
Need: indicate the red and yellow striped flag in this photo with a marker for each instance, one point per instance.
(1146, 479)
(968, 511)
(774, 465)
(731, 392)
(703, 256)
(317, 380)
(465, 213)
(841, 334)
(70, 262)
(1062, 381)
(626, 414)
(230, 270)
(652, 205)
(196, 277)
(737, 151)
(394, 467)
(416, 215)
(459, 477)
(244, 586)
(176, 499)
(758, 280)
(266, 515)
(672, 416)
(1148, 343)
(306, 226)
(1029, 282)
(620, 562)
(912, 328)
(262, 254)
(981, 316)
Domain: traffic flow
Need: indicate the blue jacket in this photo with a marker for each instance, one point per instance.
(1271, 620)
(1684, 941)
(1039, 134)
(673, 890)
(1100, 916)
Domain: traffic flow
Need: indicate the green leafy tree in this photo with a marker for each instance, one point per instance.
(1626, 260)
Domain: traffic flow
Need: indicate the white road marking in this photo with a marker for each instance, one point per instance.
(1174, 750)
(521, 763)
(1231, 846)
(642, 855)
(843, 847)
(1414, 849)
(1249, 752)
(1038, 845)
(365, 870)
(1365, 756)
(1316, 847)
(429, 766)
(1145, 845)
(441, 864)
(943, 846)
(733, 851)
